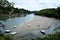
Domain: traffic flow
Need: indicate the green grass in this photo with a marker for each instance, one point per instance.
(7, 37)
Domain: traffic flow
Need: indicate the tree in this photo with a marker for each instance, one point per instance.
(5, 3)
(50, 12)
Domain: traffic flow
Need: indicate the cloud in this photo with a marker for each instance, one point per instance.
(36, 4)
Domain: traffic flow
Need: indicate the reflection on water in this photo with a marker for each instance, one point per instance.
(16, 21)
(11, 22)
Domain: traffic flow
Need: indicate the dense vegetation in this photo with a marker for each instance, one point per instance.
(7, 10)
(7, 37)
(50, 12)
(10, 12)
(55, 36)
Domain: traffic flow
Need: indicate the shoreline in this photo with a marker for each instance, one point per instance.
(38, 20)
(33, 25)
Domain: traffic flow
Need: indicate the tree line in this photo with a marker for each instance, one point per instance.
(8, 8)
(50, 12)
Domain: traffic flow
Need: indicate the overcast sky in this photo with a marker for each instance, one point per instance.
(36, 4)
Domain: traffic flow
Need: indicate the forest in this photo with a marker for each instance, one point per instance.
(7, 10)
(49, 12)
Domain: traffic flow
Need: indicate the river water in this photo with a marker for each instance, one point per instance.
(16, 21)
(20, 20)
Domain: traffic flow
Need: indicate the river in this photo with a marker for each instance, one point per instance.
(18, 21)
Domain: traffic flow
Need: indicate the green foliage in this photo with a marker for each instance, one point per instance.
(51, 12)
(23, 11)
(5, 7)
(5, 3)
(7, 10)
(7, 37)
(2, 38)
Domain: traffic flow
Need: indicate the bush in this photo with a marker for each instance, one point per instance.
(51, 12)
(7, 37)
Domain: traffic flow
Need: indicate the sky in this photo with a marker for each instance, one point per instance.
(36, 4)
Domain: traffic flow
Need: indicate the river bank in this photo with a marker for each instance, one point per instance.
(29, 26)
(31, 29)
